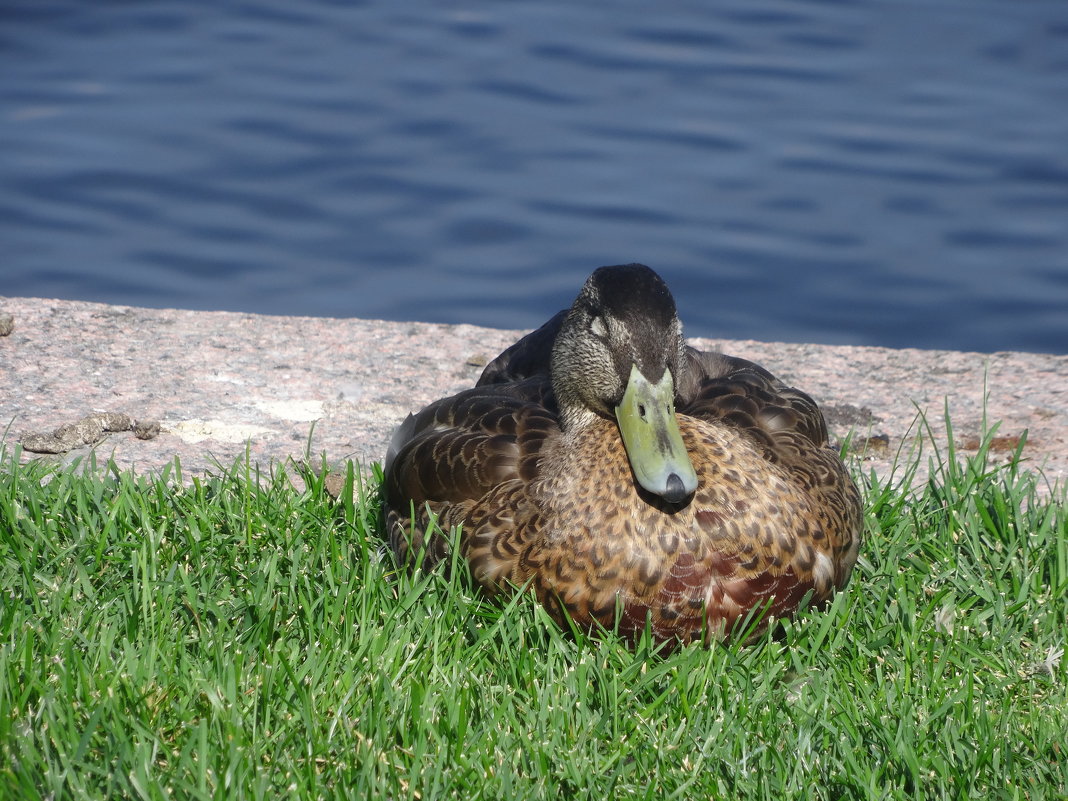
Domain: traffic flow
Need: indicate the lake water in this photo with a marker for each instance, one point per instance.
(886, 173)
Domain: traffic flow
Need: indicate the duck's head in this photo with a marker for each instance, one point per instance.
(619, 354)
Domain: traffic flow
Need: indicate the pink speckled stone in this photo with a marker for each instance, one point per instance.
(218, 381)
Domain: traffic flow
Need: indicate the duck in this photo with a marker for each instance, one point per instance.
(629, 481)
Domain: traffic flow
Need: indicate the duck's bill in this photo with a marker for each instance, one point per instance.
(651, 436)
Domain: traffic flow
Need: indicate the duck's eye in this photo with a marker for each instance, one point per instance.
(598, 327)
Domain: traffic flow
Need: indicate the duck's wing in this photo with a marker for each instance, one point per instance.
(443, 460)
(745, 395)
(529, 357)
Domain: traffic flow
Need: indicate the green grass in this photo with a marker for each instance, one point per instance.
(238, 638)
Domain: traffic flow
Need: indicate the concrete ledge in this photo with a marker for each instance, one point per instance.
(220, 381)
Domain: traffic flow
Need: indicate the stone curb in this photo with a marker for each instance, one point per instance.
(219, 383)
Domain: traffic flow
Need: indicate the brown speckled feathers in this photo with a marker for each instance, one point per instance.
(548, 497)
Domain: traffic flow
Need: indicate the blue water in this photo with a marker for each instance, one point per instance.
(888, 173)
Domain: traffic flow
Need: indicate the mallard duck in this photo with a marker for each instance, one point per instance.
(626, 478)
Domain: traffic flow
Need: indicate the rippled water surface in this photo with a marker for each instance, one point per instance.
(891, 173)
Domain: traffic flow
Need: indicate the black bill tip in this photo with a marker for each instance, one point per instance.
(675, 491)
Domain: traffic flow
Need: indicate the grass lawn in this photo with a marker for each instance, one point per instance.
(238, 638)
